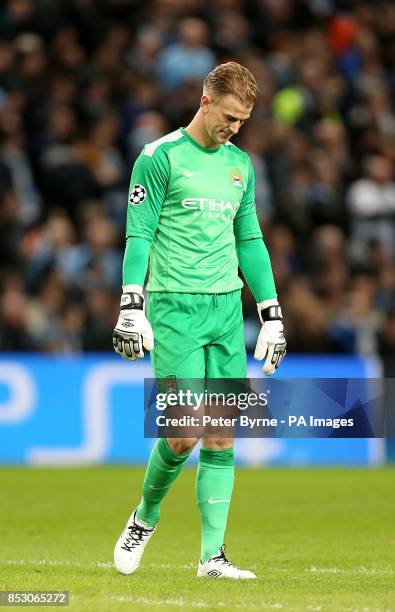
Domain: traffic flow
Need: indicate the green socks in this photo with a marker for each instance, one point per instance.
(214, 486)
(162, 470)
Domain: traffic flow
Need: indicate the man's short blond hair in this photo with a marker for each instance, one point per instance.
(233, 79)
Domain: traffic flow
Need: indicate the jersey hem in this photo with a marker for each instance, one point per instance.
(195, 292)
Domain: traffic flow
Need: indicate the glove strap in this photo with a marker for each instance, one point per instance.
(271, 313)
(132, 301)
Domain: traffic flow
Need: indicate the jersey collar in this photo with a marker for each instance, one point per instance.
(197, 145)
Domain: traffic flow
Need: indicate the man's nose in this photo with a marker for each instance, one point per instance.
(235, 127)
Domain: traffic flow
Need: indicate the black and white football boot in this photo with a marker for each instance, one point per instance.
(219, 567)
(131, 544)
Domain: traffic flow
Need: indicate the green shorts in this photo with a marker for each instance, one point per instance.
(197, 335)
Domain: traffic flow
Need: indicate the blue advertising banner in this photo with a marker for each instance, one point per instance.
(81, 410)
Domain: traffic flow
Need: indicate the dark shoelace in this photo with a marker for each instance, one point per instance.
(135, 536)
(221, 557)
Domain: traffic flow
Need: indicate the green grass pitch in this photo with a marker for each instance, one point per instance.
(319, 539)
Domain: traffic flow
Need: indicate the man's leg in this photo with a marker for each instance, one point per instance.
(214, 487)
(164, 465)
(166, 461)
(177, 355)
(226, 359)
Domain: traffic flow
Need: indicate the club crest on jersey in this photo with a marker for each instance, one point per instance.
(137, 194)
(236, 177)
(171, 384)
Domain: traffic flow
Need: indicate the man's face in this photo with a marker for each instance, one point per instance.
(223, 117)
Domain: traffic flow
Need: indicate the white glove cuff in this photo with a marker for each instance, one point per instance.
(133, 289)
(267, 303)
(131, 300)
(275, 314)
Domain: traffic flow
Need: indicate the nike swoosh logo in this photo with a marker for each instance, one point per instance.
(189, 174)
(218, 501)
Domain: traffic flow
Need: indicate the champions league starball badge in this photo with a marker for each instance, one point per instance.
(137, 195)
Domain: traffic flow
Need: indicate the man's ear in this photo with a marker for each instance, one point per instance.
(205, 102)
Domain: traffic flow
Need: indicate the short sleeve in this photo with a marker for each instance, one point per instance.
(147, 192)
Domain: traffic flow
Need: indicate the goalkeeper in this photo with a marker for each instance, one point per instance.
(192, 217)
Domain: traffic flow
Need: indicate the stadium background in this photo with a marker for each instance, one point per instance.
(83, 85)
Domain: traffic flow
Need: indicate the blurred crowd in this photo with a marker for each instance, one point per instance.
(84, 84)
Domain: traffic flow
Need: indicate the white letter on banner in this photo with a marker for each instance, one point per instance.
(96, 425)
(22, 398)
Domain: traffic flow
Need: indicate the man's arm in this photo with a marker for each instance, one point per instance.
(254, 263)
(147, 192)
(135, 261)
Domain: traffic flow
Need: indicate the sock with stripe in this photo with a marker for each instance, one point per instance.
(214, 486)
(163, 467)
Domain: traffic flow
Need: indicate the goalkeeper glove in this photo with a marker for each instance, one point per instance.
(271, 344)
(133, 330)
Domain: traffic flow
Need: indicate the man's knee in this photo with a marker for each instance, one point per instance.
(218, 443)
(181, 446)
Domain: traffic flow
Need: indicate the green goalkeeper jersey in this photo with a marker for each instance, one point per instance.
(192, 204)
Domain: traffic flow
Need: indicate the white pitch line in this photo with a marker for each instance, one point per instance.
(354, 570)
(189, 566)
(102, 564)
(44, 562)
(180, 602)
(158, 602)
